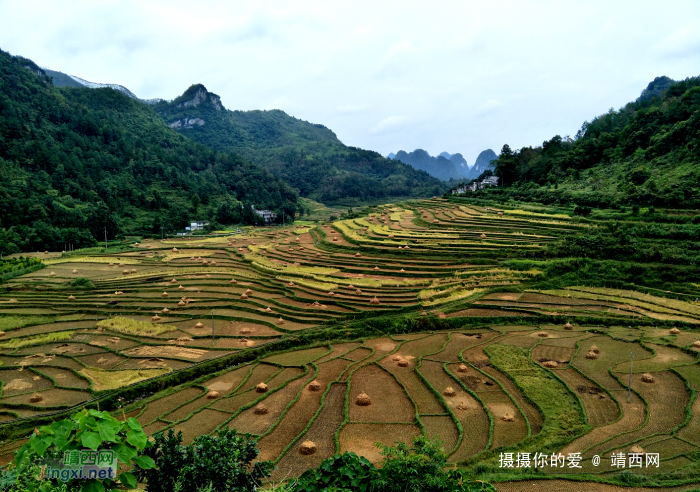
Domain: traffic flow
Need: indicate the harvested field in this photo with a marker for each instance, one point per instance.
(437, 319)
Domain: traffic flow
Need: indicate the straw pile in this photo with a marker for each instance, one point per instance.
(637, 449)
(403, 362)
(307, 448)
(591, 355)
(36, 398)
(212, 395)
(594, 349)
(261, 388)
(363, 400)
(376, 268)
(199, 325)
(396, 357)
(675, 331)
(71, 298)
(260, 409)
(462, 368)
(244, 296)
(233, 281)
(291, 284)
(358, 254)
(449, 391)
(696, 344)
(164, 294)
(52, 273)
(173, 281)
(165, 310)
(280, 321)
(358, 291)
(268, 310)
(462, 406)
(550, 363)
(507, 417)
(374, 300)
(181, 303)
(75, 271)
(155, 318)
(543, 334)
(483, 236)
(175, 250)
(568, 326)
(647, 378)
(314, 386)
(442, 316)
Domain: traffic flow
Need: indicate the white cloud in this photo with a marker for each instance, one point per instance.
(489, 107)
(389, 123)
(451, 68)
(353, 108)
(680, 43)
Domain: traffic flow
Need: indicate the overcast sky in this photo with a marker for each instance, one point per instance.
(459, 76)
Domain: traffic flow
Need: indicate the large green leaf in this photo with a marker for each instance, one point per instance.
(137, 438)
(107, 431)
(40, 444)
(93, 486)
(134, 424)
(91, 440)
(145, 462)
(127, 480)
(125, 452)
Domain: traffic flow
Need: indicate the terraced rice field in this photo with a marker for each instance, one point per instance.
(266, 332)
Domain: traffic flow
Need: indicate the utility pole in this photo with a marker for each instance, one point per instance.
(105, 238)
(629, 386)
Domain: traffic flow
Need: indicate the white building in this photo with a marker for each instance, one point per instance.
(197, 226)
(268, 215)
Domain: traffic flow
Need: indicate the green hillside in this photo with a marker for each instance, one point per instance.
(647, 153)
(73, 161)
(308, 156)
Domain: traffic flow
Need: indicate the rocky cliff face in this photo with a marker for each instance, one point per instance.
(441, 167)
(483, 162)
(198, 94)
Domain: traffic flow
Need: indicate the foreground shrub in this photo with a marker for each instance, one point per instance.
(89, 429)
(421, 467)
(220, 463)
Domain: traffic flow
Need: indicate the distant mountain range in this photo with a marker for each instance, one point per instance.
(445, 166)
(61, 79)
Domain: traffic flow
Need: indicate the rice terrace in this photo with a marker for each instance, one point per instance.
(460, 319)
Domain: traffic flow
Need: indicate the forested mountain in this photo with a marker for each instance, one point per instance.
(76, 160)
(445, 166)
(308, 156)
(647, 153)
(483, 162)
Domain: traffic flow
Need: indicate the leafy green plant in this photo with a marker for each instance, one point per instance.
(90, 429)
(82, 283)
(224, 461)
(421, 467)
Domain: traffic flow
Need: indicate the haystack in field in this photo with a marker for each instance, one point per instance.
(175, 250)
(233, 281)
(424, 313)
(173, 281)
(551, 364)
(462, 406)
(165, 310)
(396, 358)
(376, 268)
(507, 417)
(568, 326)
(199, 325)
(52, 273)
(155, 318)
(291, 284)
(314, 386)
(675, 331)
(185, 339)
(121, 264)
(442, 316)
(462, 368)
(212, 395)
(363, 400)
(261, 388)
(403, 362)
(260, 409)
(244, 296)
(542, 334)
(245, 331)
(71, 298)
(637, 449)
(75, 271)
(591, 355)
(164, 294)
(402, 270)
(181, 287)
(374, 300)
(696, 344)
(647, 378)
(358, 254)
(248, 292)
(358, 291)
(350, 287)
(280, 321)
(268, 310)
(449, 391)
(133, 270)
(181, 303)
(36, 398)
(307, 448)
(594, 349)
(483, 236)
